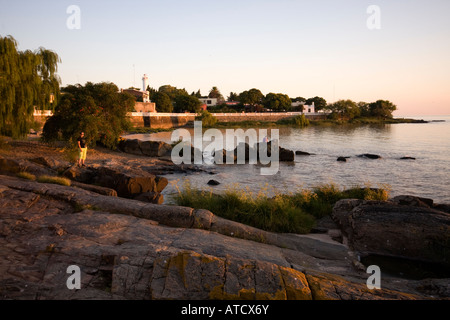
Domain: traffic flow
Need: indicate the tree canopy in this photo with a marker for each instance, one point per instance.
(252, 97)
(162, 101)
(215, 93)
(345, 108)
(350, 109)
(172, 92)
(99, 110)
(187, 103)
(382, 109)
(319, 103)
(27, 79)
(277, 102)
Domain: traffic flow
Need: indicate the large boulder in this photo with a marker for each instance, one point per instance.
(12, 166)
(155, 148)
(131, 146)
(405, 227)
(146, 148)
(150, 197)
(286, 155)
(129, 183)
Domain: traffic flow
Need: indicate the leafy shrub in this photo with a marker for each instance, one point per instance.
(301, 121)
(208, 120)
(99, 110)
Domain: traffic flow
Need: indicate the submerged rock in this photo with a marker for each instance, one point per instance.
(369, 156)
(302, 153)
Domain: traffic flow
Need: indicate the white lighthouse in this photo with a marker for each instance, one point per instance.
(144, 88)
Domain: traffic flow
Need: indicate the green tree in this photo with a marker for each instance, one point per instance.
(252, 97)
(152, 91)
(215, 93)
(27, 79)
(382, 109)
(319, 103)
(277, 102)
(162, 101)
(364, 109)
(345, 108)
(99, 110)
(299, 99)
(172, 92)
(233, 96)
(187, 103)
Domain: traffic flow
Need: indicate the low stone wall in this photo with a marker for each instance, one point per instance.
(160, 121)
(173, 120)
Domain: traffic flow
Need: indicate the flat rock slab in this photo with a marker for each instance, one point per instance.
(127, 249)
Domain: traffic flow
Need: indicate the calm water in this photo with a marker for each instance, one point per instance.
(427, 176)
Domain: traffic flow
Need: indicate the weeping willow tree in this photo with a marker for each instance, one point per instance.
(27, 80)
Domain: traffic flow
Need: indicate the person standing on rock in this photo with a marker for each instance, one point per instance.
(82, 150)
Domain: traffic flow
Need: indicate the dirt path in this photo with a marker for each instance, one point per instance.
(33, 147)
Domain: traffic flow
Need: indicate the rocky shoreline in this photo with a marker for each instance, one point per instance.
(129, 247)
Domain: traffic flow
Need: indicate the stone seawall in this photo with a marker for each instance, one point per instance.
(159, 121)
(173, 120)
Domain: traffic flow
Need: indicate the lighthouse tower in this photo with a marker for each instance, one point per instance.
(144, 88)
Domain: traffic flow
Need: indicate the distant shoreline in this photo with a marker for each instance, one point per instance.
(284, 123)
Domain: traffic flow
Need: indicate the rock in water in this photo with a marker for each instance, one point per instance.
(213, 182)
(370, 156)
(286, 155)
(302, 153)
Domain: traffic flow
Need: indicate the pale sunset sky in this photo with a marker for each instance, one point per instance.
(335, 49)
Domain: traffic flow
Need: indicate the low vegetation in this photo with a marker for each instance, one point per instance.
(55, 180)
(296, 212)
(207, 119)
(26, 175)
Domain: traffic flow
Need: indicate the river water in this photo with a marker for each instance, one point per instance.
(426, 176)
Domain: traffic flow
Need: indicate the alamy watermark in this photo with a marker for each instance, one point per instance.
(263, 152)
(73, 22)
(74, 280)
(374, 20)
(374, 281)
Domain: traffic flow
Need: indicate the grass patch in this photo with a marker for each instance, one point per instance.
(296, 212)
(26, 175)
(55, 180)
(299, 121)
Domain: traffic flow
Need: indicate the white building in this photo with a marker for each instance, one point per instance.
(210, 102)
(306, 108)
(309, 108)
